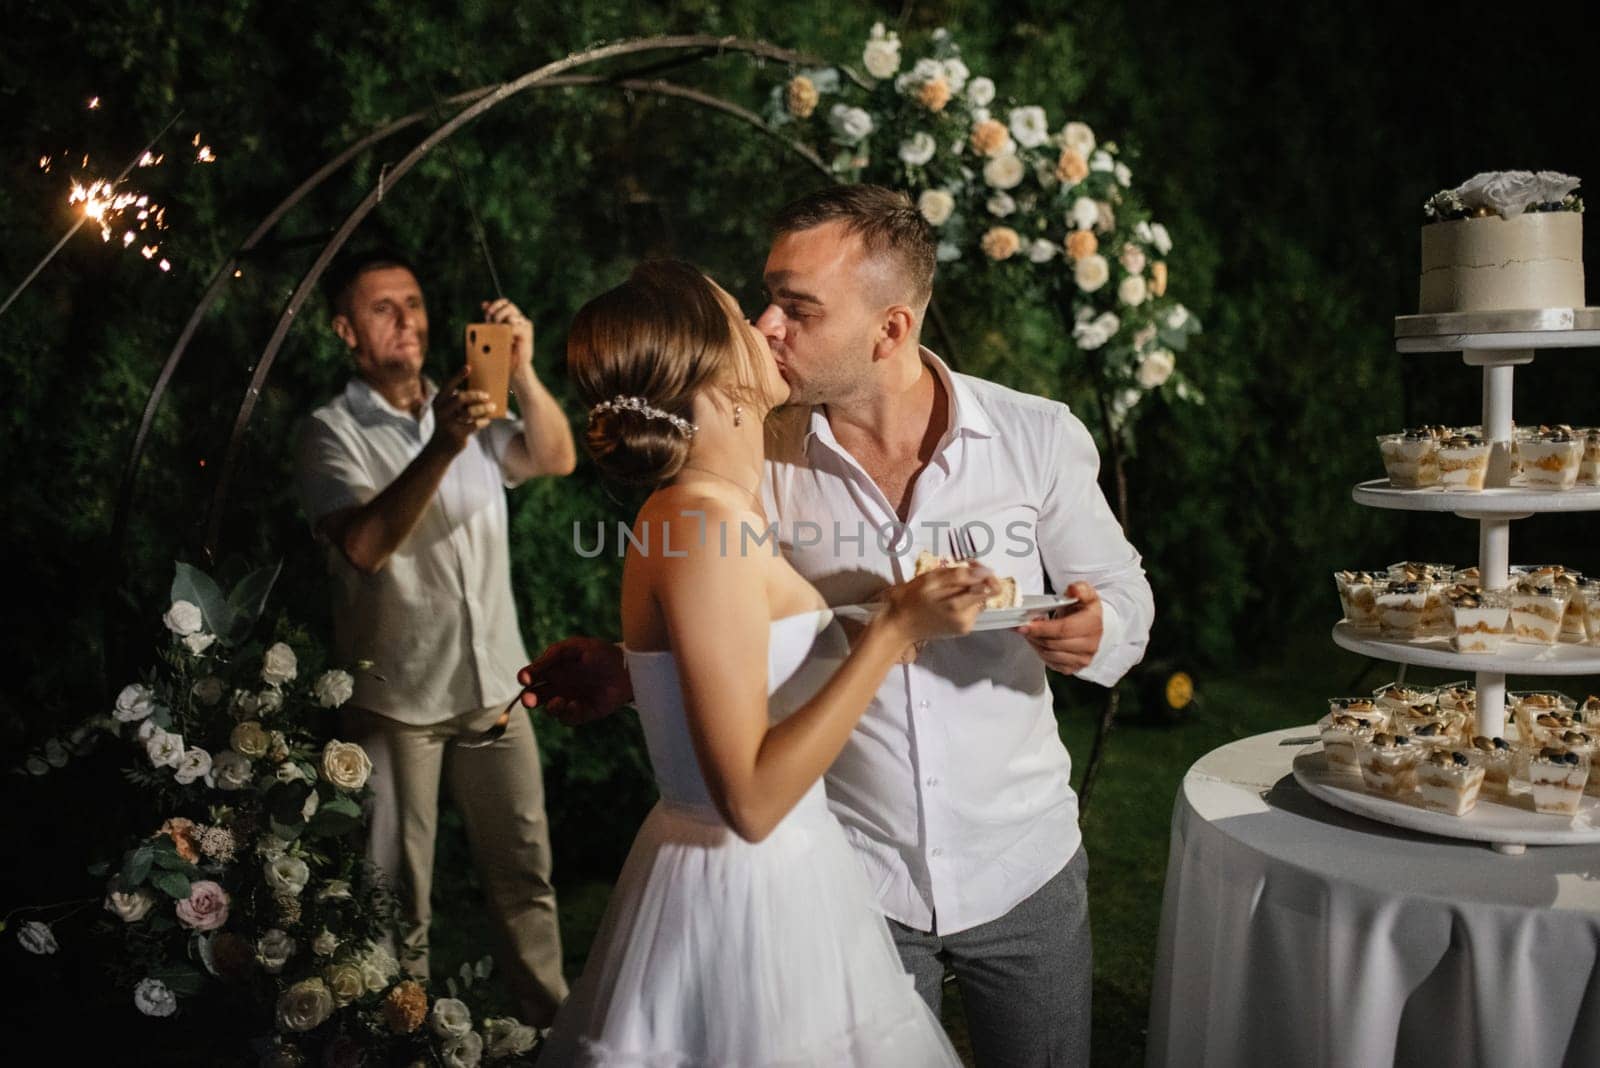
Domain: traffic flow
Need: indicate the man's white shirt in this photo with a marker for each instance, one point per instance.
(955, 788)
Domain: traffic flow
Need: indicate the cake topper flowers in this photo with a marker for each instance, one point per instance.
(1506, 194)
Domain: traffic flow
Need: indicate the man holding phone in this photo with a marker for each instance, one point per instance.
(405, 483)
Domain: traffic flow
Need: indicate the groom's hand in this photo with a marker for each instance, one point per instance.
(577, 680)
(1068, 640)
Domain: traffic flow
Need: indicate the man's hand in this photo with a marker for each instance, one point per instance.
(503, 311)
(578, 680)
(458, 414)
(1068, 640)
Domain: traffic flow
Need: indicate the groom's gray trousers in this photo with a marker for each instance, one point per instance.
(1025, 978)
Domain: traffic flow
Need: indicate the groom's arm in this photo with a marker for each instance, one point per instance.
(1080, 541)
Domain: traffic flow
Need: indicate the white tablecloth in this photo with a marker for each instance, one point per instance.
(1295, 934)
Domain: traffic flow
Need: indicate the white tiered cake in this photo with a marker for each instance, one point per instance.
(1503, 241)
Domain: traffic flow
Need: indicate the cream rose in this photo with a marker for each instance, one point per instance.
(287, 875)
(1042, 251)
(1001, 205)
(1003, 172)
(345, 765)
(980, 92)
(1078, 137)
(129, 906)
(206, 908)
(1132, 258)
(1091, 272)
(333, 688)
(325, 943)
(936, 206)
(1132, 290)
(279, 665)
(881, 57)
(918, 149)
(153, 998)
(1160, 238)
(1083, 214)
(249, 738)
(956, 73)
(1156, 368)
(450, 1018)
(134, 703)
(305, 1005)
(183, 618)
(1123, 175)
(230, 770)
(344, 982)
(198, 643)
(273, 950)
(1029, 126)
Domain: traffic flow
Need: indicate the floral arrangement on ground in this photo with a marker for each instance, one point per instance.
(253, 888)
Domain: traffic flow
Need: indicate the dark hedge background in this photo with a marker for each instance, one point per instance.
(1287, 149)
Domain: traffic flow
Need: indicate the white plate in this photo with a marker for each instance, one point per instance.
(1507, 821)
(1033, 606)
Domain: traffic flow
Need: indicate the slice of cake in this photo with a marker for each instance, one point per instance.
(1008, 597)
(1501, 241)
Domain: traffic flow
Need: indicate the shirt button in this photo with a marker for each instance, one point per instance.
(932, 780)
(936, 852)
(922, 704)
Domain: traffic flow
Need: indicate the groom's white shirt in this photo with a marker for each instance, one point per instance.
(955, 787)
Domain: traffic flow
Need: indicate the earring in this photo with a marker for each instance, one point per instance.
(738, 415)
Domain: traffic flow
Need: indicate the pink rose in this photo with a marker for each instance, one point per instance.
(206, 908)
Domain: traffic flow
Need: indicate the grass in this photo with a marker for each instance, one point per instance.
(1126, 829)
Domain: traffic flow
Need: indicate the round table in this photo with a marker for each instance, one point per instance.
(1293, 933)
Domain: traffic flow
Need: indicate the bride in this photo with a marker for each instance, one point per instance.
(741, 930)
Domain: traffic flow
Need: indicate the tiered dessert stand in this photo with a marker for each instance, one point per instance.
(1497, 342)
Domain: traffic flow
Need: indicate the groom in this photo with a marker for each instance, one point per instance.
(955, 787)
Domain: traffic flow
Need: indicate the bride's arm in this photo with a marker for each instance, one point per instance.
(719, 620)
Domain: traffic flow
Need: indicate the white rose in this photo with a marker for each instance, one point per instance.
(1078, 137)
(230, 770)
(325, 943)
(165, 749)
(1041, 251)
(269, 701)
(464, 1051)
(849, 125)
(1160, 238)
(287, 874)
(305, 1005)
(198, 643)
(372, 978)
(289, 771)
(1177, 317)
(346, 765)
(506, 1037)
(936, 206)
(279, 665)
(36, 937)
(1003, 172)
(209, 690)
(1029, 126)
(1132, 290)
(129, 906)
(152, 998)
(378, 967)
(1084, 214)
(134, 703)
(273, 950)
(1091, 272)
(1101, 161)
(1089, 336)
(194, 764)
(1156, 368)
(956, 74)
(918, 149)
(308, 808)
(1507, 193)
(980, 92)
(1001, 204)
(450, 1017)
(183, 618)
(882, 54)
(978, 115)
(1108, 322)
(1143, 232)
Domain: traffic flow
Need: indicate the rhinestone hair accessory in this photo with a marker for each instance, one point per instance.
(620, 403)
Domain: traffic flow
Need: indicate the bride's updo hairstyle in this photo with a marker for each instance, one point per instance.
(639, 354)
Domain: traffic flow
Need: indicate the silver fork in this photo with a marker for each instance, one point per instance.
(495, 732)
(961, 545)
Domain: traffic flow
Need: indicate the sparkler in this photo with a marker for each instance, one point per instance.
(97, 198)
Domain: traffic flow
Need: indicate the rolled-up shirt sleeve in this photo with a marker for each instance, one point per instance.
(1080, 540)
(329, 476)
(497, 438)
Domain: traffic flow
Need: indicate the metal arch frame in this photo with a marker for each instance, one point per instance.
(476, 101)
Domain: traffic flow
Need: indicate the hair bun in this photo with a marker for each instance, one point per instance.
(634, 447)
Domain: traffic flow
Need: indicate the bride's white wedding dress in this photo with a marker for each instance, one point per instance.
(715, 951)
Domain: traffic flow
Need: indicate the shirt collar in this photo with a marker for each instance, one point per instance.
(966, 413)
(369, 406)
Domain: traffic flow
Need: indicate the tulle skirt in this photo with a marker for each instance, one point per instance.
(719, 952)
